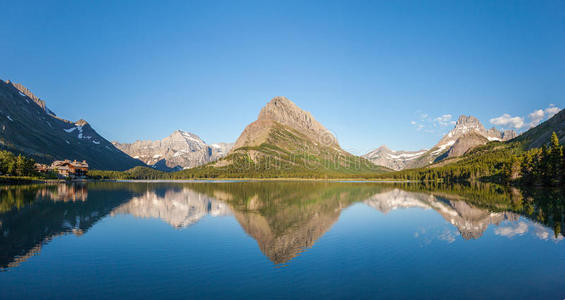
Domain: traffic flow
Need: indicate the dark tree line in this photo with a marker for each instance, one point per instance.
(484, 164)
(13, 165)
(539, 166)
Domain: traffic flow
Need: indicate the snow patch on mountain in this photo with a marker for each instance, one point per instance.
(443, 147)
(179, 150)
(466, 127)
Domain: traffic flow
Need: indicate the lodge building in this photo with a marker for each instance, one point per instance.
(66, 168)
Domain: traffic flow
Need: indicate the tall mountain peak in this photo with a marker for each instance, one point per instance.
(463, 119)
(467, 133)
(180, 150)
(81, 122)
(285, 137)
(282, 111)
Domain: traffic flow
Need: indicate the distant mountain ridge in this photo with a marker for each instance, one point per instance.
(180, 150)
(27, 126)
(395, 160)
(467, 134)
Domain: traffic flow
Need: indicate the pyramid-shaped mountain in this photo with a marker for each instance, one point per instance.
(287, 141)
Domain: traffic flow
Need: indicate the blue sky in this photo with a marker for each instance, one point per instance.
(374, 73)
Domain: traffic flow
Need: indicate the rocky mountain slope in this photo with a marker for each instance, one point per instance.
(284, 141)
(467, 134)
(180, 150)
(27, 126)
(541, 134)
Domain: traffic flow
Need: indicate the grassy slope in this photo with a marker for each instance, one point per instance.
(286, 153)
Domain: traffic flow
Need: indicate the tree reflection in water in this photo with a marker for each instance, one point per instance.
(285, 218)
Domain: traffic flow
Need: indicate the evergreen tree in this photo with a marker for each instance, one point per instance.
(555, 155)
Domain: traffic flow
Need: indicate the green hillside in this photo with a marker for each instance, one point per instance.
(286, 153)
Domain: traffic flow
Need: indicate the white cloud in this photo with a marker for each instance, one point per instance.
(536, 117)
(508, 121)
(444, 120)
(447, 236)
(551, 110)
(544, 233)
(510, 231)
(426, 123)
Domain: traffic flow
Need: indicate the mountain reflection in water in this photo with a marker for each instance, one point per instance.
(179, 208)
(285, 218)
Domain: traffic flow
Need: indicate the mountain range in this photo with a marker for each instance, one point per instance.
(467, 134)
(284, 141)
(180, 150)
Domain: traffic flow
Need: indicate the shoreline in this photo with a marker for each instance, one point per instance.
(6, 181)
(260, 180)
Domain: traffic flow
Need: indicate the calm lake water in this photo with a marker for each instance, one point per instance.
(280, 240)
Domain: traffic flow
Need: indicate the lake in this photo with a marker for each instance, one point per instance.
(277, 239)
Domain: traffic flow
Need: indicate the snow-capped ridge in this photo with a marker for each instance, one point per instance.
(467, 133)
(180, 150)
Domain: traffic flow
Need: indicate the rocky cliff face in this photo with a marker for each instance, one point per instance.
(180, 150)
(465, 143)
(467, 134)
(27, 93)
(284, 112)
(27, 126)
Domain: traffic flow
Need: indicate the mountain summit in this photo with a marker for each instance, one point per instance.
(467, 134)
(180, 150)
(287, 141)
(283, 112)
(468, 124)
